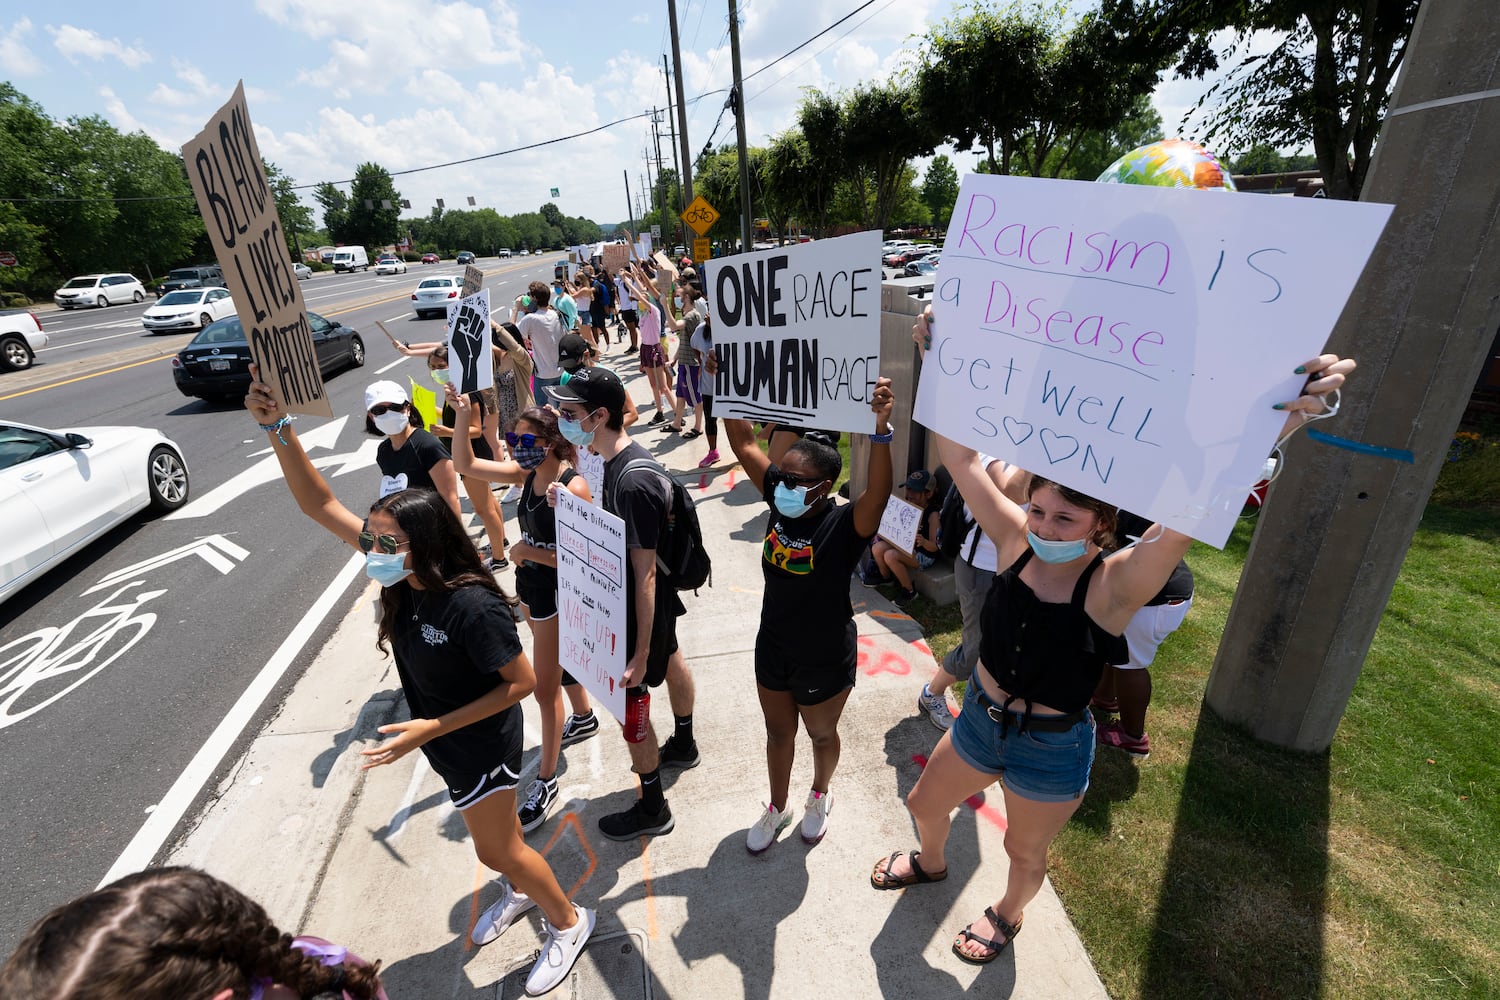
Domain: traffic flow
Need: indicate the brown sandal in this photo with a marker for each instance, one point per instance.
(883, 879)
(1010, 930)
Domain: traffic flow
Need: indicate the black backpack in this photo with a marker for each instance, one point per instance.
(681, 554)
(953, 525)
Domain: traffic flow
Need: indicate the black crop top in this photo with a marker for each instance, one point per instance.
(1048, 653)
(539, 527)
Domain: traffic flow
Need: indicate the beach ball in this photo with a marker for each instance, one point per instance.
(1178, 163)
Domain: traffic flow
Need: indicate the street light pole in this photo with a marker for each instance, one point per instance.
(737, 97)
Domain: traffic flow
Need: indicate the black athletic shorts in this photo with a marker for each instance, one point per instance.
(536, 586)
(663, 636)
(630, 317)
(467, 789)
(809, 681)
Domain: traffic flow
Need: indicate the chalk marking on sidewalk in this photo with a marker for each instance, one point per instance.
(397, 823)
(571, 819)
(154, 833)
(650, 895)
(480, 871)
(975, 802)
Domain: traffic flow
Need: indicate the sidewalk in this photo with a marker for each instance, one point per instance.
(379, 860)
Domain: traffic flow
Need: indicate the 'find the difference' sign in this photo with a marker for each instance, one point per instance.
(224, 166)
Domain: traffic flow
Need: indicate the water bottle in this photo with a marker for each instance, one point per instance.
(637, 714)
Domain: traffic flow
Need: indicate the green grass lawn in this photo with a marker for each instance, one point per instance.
(1222, 867)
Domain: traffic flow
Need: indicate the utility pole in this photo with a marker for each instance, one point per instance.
(628, 206)
(650, 189)
(737, 100)
(672, 141)
(1338, 523)
(682, 132)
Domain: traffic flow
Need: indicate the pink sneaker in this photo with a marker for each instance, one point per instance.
(1110, 734)
(712, 458)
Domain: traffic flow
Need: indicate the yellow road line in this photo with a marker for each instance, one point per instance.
(80, 378)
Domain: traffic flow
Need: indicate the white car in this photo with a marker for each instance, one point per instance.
(188, 309)
(434, 294)
(21, 336)
(390, 265)
(60, 490)
(503, 254)
(99, 290)
(302, 271)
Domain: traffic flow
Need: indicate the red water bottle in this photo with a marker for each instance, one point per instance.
(637, 714)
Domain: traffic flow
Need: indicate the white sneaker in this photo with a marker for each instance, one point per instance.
(815, 816)
(763, 834)
(498, 918)
(936, 707)
(559, 952)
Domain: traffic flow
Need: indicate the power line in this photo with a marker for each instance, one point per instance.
(814, 38)
(825, 48)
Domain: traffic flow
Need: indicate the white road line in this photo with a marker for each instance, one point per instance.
(419, 772)
(382, 371)
(96, 340)
(153, 834)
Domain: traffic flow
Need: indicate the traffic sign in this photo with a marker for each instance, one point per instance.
(701, 250)
(7, 259)
(656, 232)
(700, 215)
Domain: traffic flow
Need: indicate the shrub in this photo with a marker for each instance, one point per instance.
(411, 256)
(14, 300)
(1471, 475)
(318, 265)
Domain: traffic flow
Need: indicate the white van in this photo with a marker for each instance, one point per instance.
(351, 259)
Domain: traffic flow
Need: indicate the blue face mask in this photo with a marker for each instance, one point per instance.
(574, 432)
(529, 458)
(386, 568)
(791, 502)
(1056, 552)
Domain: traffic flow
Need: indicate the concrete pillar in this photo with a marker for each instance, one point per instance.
(1337, 525)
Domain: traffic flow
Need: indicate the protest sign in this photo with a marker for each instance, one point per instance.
(239, 211)
(424, 401)
(473, 280)
(798, 333)
(1130, 341)
(591, 599)
(664, 264)
(899, 524)
(616, 256)
(643, 246)
(471, 365)
(591, 467)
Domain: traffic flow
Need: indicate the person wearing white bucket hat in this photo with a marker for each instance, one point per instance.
(410, 457)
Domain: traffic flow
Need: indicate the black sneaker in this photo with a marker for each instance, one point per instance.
(579, 728)
(679, 753)
(541, 797)
(660, 416)
(636, 822)
(904, 597)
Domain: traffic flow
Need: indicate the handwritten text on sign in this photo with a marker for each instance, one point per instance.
(591, 599)
(224, 167)
(798, 333)
(899, 524)
(1130, 341)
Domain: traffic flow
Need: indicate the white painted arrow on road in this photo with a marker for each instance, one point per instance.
(216, 550)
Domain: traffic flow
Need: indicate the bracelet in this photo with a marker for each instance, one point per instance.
(277, 427)
(885, 438)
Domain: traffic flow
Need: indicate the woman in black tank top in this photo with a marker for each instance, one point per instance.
(540, 456)
(1051, 622)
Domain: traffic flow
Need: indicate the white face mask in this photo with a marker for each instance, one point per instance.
(391, 422)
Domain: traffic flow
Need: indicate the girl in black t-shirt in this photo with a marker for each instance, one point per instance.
(540, 455)
(463, 672)
(805, 649)
(410, 457)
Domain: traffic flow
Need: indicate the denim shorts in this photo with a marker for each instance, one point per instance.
(1043, 767)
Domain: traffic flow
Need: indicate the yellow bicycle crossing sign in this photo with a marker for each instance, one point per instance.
(700, 215)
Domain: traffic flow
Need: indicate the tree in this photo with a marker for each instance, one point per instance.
(822, 159)
(1262, 158)
(1328, 80)
(1096, 149)
(295, 216)
(883, 128)
(940, 189)
(369, 221)
(335, 206)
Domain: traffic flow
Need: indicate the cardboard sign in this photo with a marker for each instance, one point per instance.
(224, 166)
(616, 256)
(591, 599)
(473, 280)
(470, 362)
(899, 524)
(663, 264)
(797, 331)
(1130, 341)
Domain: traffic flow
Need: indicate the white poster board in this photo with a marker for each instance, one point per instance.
(471, 364)
(591, 467)
(1130, 341)
(899, 524)
(798, 333)
(591, 599)
(643, 246)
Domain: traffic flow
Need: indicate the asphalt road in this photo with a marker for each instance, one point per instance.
(189, 616)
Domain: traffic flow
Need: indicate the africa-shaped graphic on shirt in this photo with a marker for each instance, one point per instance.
(793, 555)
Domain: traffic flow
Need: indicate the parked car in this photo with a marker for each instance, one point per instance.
(216, 363)
(920, 268)
(504, 253)
(679, 252)
(390, 265)
(433, 295)
(429, 258)
(188, 309)
(21, 337)
(302, 271)
(99, 290)
(200, 276)
(62, 489)
(351, 259)
(465, 257)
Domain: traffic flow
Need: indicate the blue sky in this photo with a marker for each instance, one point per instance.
(409, 84)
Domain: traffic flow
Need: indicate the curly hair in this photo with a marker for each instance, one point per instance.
(167, 932)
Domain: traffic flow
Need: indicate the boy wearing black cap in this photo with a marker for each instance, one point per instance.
(591, 407)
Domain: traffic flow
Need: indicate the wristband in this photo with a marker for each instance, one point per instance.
(277, 427)
(885, 438)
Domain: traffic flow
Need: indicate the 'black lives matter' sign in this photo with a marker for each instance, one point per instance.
(224, 166)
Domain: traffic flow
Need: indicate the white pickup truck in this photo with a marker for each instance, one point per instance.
(21, 337)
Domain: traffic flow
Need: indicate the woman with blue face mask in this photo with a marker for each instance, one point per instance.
(1050, 623)
(805, 650)
(463, 672)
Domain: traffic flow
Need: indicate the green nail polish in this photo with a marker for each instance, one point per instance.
(1278, 406)
(1300, 370)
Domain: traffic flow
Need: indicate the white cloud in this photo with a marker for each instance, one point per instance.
(199, 89)
(641, 19)
(16, 56)
(74, 42)
(115, 110)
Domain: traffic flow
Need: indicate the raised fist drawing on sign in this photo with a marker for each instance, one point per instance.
(469, 343)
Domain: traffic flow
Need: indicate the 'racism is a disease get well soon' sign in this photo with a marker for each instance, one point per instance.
(1130, 341)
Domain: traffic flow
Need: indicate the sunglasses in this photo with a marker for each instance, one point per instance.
(388, 543)
(380, 409)
(793, 482)
(524, 440)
